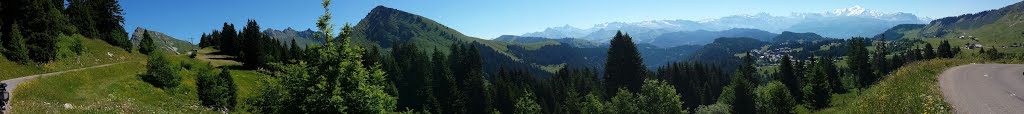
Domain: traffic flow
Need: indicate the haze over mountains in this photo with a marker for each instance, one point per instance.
(840, 23)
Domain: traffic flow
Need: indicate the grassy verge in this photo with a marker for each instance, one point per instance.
(247, 81)
(112, 89)
(205, 54)
(118, 89)
(910, 89)
(94, 53)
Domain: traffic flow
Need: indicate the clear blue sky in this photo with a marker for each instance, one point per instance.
(185, 19)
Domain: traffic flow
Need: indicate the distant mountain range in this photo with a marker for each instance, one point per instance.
(386, 27)
(1001, 27)
(840, 23)
(701, 37)
(163, 41)
(302, 38)
(574, 42)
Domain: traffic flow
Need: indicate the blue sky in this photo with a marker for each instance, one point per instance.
(187, 19)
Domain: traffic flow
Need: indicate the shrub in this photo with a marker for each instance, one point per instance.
(161, 72)
(69, 46)
(17, 50)
(774, 98)
(216, 91)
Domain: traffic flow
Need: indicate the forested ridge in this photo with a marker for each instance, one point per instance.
(398, 62)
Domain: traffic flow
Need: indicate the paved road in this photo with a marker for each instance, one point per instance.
(984, 88)
(13, 83)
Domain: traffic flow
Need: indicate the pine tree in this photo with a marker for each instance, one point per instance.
(624, 67)
(831, 74)
(296, 52)
(817, 90)
(203, 41)
(40, 23)
(227, 39)
(740, 95)
(788, 76)
(478, 101)
(332, 79)
(444, 85)
(413, 74)
(570, 87)
(146, 45)
(257, 49)
(878, 60)
(81, 13)
(746, 69)
(17, 51)
(109, 19)
(914, 54)
(929, 52)
(944, 50)
(857, 58)
(215, 39)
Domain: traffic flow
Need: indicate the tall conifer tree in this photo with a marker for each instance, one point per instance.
(624, 67)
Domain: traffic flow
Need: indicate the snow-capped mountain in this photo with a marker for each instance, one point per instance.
(640, 31)
(839, 23)
(856, 10)
(561, 32)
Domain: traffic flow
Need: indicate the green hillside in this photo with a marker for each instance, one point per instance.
(95, 52)
(994, 28)
(163, 41)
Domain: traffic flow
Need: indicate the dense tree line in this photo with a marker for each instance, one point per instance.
(250, 46)
(340, 77)
(40, 24)
(426, 80)
(811, 82)
(101, 19)
(331, 80)
(31, 29)
(698, 83)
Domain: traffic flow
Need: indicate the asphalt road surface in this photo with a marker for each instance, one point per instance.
(984, 88)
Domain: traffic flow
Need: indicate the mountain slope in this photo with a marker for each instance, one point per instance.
(896, 32)
(1001, 27)
(701, 37)
(163, 41)
(941, 27)
(725, 51)
(798, 37)
(385, 27)
(840, 23)
(528, 40)
(302, 38)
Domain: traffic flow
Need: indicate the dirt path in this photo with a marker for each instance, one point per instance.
(216, 60)
(984, 88)
(13, 83)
